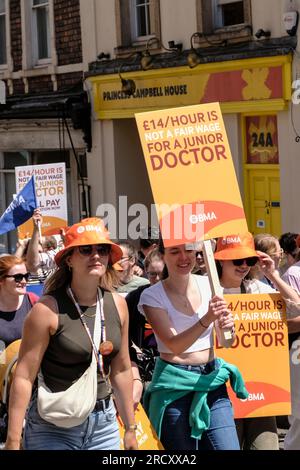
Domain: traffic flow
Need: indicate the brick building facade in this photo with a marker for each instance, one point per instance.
(46, 117)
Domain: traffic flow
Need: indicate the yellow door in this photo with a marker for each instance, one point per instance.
(264, 214)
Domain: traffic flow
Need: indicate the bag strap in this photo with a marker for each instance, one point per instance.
(33, 298)
(99, 327)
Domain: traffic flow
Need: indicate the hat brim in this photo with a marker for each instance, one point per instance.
(236, 253)
(116, 252)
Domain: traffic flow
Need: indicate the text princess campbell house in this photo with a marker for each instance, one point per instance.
(191, 173)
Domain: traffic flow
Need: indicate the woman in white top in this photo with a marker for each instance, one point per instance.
(187, 401)
(235, 255)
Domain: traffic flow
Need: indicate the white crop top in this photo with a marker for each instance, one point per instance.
(156, 296)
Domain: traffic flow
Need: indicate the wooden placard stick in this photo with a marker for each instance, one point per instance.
(213, 277)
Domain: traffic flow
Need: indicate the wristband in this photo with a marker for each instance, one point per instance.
(202, 324)
(131, 427)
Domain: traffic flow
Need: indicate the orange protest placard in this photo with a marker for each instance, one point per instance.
(261, 352)
(146, 436)
(191, 173)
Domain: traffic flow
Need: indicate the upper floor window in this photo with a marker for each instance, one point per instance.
(228, 13)
(3, 58)
(141, 18)
(40, 30)
(137, 21)
(225, 19)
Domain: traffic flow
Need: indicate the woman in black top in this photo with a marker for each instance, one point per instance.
(56, 342)
(14, 301)
(15, 304)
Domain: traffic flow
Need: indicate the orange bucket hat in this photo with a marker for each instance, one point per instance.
(236, 246)
(91, 231)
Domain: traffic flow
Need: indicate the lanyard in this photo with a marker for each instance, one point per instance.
(99, 309)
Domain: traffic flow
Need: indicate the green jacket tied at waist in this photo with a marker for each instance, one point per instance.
(170, 383)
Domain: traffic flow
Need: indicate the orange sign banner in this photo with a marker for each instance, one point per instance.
(145, 434)
(261, 352)
(191, 173)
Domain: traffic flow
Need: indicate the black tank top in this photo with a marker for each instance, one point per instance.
(69, 352)
(11, 323)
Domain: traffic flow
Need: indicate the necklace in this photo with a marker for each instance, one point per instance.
(105, 347)
(92, 315)
(183, 298)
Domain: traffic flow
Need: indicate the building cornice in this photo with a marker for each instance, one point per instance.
(208, 55)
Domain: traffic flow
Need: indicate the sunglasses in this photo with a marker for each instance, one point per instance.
(277, 253)
(249, 261)
(126, 258)
(153, 274)
(87, 250)
(19, 277)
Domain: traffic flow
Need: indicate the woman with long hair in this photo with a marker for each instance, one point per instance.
(187, 400)
(15, 303)
(268, 244)
(57, 342)
(236, 255)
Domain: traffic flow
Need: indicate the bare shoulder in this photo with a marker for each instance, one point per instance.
(44, 314)
(49, 301)
(121, 305)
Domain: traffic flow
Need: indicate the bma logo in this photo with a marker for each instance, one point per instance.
(196, 218)
(255, 397)
(231, 240)
(89, 228)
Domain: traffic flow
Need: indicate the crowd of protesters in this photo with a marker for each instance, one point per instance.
(162, 330)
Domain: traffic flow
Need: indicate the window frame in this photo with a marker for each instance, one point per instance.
(34, 33)
(217, 13)
(206, 17)
(127, 38)
(134, 21)
(5, 64)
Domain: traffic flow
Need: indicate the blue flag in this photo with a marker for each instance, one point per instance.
(20, 209)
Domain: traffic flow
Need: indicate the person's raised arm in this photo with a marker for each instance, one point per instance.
(294, 324)
(267, 266)
(21, 247)
(35, 338)
(33, 257)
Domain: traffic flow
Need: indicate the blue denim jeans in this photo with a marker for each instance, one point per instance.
(221, 435)
(100, 431)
